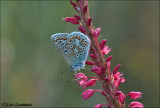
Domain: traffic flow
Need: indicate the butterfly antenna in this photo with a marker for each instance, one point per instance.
(64, 70)
(68, 77)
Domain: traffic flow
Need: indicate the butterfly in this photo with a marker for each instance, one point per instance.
(74, 47)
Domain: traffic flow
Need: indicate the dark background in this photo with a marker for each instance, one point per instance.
(31, 66)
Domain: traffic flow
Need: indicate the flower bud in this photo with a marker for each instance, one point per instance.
(116, 68)
(78, 17)
(89, 63)
(102, 43)
(73, 4)
(85, 9)
(109, 58)
(71, 20)
(97, 70)
(92, 56)
(89, 21)
(82, 29)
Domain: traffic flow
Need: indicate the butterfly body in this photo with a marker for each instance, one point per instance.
(74, 47)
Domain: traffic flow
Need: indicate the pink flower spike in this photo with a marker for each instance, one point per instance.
(89, 63)
(73, 4)
(82, 29)
(135, 104)
(89, 21)
(105, 50)
(102, 43)
(91, 82)
(71, 20)
(78, 17)
(96, 32)
(99, 105)
(85, 9)
(109, 58)
(81, 78)
(87, 94)
(96, 69)
(116, 68)
(134, 95)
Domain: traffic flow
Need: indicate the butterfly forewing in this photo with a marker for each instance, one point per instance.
(60, 41)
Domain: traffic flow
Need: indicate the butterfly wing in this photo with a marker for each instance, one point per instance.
(80, 49)
(74, 47)
(60, 41)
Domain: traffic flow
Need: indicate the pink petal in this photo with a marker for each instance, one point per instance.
(96, 32)
(121, 97)
(91, 82)
(98, 106)
(134, 95)
(117, 93)
(135, 104)
(87, 94)
(105, 50)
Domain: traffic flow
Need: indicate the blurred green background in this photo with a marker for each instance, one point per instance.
(31, 66)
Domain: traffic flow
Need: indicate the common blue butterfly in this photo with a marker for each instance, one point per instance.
(74, 47)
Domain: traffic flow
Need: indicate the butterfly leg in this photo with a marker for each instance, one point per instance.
(75, 71)
(85, 68)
